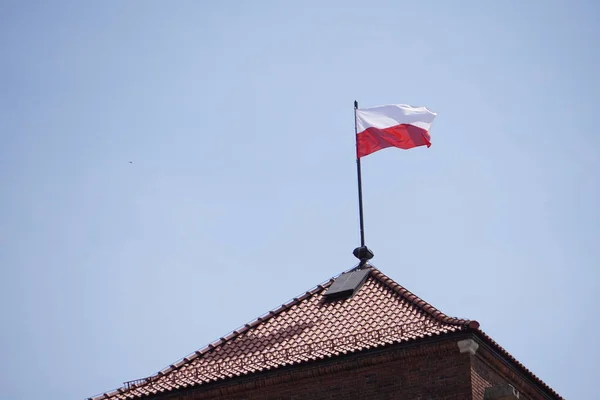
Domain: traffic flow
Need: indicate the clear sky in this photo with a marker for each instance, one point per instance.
(171, 170)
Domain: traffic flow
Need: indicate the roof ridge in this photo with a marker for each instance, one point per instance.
(420, 303)
(224, 339)
(440, 316)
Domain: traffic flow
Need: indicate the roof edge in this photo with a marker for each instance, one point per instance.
(503, 353)
(420, 303)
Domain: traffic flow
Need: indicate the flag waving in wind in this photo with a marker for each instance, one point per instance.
(396, 125)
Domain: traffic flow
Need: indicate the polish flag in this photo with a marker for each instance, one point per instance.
(395, 125)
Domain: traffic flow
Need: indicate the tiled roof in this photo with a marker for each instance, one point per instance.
(307, 328)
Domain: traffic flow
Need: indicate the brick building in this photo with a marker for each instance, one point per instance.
(358, 336)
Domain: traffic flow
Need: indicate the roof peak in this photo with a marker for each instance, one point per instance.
(380, 312)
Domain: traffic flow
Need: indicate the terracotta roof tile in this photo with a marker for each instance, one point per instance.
(307, 328)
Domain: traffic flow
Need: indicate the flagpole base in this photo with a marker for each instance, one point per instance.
(364, 254)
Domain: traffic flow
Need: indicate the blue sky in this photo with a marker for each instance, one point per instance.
(241, 192)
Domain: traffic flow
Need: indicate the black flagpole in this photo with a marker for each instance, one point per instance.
(359, 176)
(362, 253)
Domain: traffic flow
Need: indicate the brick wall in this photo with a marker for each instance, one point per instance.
(488, 369)
(430, 371)
(482, 376)
(425, 370)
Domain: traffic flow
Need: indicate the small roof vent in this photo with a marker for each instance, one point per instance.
(347, 284)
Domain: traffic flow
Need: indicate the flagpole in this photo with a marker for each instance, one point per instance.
(359, 178)
(363, 253)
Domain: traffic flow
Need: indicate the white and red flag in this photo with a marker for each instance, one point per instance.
(394, 125)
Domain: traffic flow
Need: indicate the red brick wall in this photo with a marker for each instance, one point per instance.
(428, 372)
(432, 370)
(488, 370)
(483, 376)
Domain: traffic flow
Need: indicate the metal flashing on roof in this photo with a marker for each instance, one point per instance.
(346, 284)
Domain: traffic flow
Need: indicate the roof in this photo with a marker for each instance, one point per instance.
(310, 328)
